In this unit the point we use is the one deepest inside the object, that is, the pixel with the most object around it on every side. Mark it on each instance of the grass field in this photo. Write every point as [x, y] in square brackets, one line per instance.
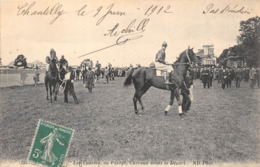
[222, 125]
[7, 80]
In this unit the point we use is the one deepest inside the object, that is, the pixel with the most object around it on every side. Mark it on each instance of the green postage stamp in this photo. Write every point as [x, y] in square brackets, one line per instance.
[50, 144]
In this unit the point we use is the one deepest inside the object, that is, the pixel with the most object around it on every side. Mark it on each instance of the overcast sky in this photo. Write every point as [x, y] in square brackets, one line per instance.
[179, 23]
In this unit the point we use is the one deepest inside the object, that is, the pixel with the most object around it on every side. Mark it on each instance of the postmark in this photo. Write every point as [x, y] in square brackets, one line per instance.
[50, 144]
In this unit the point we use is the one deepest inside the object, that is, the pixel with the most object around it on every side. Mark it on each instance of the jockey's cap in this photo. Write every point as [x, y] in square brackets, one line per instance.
[52, 50]
[164, 44]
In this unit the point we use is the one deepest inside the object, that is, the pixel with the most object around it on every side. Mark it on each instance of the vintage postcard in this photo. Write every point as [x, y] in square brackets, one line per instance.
[129, 83]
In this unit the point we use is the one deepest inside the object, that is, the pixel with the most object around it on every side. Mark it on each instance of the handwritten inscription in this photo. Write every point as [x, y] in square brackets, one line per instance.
[131, 28]
[157, 9]
[228, 9]
[133, 31]
[108, 11]
[27, 10]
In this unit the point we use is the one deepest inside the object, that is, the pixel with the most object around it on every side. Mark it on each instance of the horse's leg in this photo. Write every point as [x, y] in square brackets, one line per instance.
[143, 91]
[177, 95]
[46, 85]
[170, 104]
[50, 87]
[66, 94]
[135, 100]
[55, 91]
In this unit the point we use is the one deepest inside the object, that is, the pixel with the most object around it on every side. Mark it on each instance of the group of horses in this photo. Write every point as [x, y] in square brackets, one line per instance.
[142, 78]
[55, 82]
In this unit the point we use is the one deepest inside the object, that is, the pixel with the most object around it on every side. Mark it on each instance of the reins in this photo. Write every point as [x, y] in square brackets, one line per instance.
[188, 57]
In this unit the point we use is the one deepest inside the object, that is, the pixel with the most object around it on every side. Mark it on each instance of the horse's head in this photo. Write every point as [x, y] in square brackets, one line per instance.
[53, 68]
[192, 58]
[53, 64]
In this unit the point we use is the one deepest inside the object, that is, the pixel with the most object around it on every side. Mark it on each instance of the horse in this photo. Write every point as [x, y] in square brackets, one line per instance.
[97, 74]
[143, 78]
[52, 80]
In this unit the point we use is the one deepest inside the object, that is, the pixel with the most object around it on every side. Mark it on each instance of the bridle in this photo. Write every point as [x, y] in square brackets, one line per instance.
[188, 57]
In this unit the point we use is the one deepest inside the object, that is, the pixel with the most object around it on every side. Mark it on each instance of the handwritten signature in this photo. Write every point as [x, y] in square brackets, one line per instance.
[130, 33]
[228, 9]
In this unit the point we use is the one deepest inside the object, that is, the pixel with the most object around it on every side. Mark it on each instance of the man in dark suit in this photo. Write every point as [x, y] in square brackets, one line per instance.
[224, 78]
[186, 92]
[238, 76]
[205, 77]
[69, 86]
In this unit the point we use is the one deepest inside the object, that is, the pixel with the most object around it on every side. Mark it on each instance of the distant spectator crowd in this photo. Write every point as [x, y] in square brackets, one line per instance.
[225, 76]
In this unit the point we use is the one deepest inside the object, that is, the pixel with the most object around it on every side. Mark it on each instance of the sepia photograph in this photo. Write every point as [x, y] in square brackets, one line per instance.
[129, 83]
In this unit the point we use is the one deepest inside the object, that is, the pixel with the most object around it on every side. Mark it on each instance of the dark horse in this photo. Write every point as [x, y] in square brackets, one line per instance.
[52, 80]
[97, 74]
[143, 78]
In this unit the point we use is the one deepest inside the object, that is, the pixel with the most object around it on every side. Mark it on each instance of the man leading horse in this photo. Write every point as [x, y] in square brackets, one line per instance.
[143, 78]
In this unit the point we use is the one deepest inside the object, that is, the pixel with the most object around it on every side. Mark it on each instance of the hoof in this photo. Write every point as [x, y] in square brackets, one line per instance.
[165, 112]
[142, 108]
[136, 112]
[180, 114]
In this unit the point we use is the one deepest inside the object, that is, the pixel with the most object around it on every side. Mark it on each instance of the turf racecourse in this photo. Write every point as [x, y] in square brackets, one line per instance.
[220, 127]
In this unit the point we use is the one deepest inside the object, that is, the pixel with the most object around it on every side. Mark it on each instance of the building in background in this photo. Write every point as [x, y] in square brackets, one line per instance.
[207, 56]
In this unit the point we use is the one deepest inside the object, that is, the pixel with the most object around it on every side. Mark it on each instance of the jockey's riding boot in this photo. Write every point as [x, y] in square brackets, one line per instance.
[167, 79]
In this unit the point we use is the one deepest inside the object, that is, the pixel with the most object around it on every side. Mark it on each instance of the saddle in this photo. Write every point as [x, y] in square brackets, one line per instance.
[159, 71]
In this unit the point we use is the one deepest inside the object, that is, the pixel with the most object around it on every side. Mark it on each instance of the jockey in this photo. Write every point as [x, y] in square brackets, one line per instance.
[98, 65]
[63, 62]
[160, 63]
[52, 57]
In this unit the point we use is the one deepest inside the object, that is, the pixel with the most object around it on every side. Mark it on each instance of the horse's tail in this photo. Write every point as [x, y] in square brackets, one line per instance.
[128, 80]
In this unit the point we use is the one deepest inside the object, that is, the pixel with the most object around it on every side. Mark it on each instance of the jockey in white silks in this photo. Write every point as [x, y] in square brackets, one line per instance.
[160, 63]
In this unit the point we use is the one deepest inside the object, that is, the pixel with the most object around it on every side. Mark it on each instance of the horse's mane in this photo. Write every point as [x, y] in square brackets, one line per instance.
[179, 58]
